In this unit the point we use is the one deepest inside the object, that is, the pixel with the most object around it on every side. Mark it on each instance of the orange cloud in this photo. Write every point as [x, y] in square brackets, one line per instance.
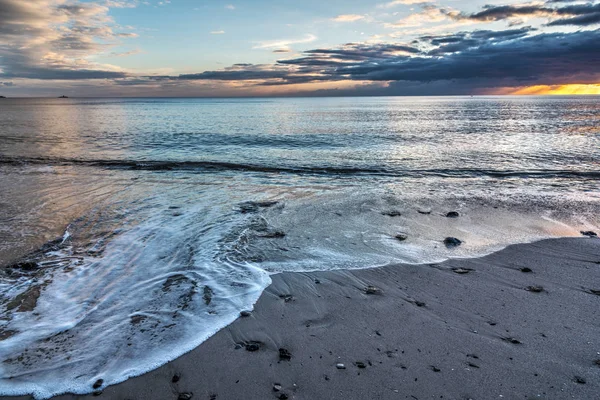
[571, 89]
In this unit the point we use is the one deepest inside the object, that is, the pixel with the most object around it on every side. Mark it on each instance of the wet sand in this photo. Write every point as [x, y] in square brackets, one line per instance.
[522, 323]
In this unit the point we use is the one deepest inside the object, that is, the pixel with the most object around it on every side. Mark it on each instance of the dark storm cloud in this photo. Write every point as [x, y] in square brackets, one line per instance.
[490, 58]
[572, 14]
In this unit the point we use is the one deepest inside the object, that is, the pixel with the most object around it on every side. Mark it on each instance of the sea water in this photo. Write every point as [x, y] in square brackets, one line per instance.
[131, 230]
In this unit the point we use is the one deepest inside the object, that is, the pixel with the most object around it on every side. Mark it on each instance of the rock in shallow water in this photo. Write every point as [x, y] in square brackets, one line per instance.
[589, 233]
[452, 242]
[401, 237]
[98, 383]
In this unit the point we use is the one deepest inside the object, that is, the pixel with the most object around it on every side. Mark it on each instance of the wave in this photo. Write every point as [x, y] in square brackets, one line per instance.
[167, 165]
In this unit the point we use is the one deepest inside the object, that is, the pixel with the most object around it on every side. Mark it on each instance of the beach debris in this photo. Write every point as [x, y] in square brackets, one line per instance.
[579, 380]
[526, 270]
[98, 384]
[245, 313]
[176, 378]
[340, 366]
[208, 295]
[452, 242]
[286, 297]
[435, 369]
[252, 346]
[284, 354]
[453, 214]
[401, 237]
[511, 340]
[360, 364]
[373, 290]
[276, 387]
[392, 213]
[535, 289]
[461, 271]
[589, 233]
[185, 396]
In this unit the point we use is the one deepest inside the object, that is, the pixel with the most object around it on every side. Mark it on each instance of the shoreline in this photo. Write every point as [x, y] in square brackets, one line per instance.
[477, 328]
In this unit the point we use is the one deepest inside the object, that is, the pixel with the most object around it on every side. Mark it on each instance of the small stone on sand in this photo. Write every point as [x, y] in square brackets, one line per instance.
[185, 396]
[284, 354]
[373, 290]
[461, 271]
[245, 313]
[252, 346]
[276, 387]
[580, 380]
[340, 366]
[286, 297]
[511, 340]
[589, 233]
[453, 214]
[534, 289]
[392, 213]
[360, 364]
[175, 378]
[526, 270]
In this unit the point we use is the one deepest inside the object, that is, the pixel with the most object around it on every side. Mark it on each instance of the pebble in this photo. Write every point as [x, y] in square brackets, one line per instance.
[185, 396]
[98, 383]
[175, 378]
[246, 313]
[589, 233]
[452, 214]
[534, 289]
[401, 237]
[452, 242]
[372, 290]
[284, 354]
[340, 366]
[276, 387]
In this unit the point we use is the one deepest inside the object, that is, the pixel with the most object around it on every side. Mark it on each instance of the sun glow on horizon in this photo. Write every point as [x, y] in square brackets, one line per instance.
[570, 89]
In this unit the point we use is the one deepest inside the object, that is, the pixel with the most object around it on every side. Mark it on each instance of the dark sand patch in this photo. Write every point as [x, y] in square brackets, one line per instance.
[461, 344]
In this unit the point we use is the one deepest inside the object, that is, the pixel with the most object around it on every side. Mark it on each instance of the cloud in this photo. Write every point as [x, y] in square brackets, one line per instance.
[395, 3]
[217, 32]
[481, 58]
[572, 14]
[348, 18]
[49, 39]
[284, 43]
[230, 7]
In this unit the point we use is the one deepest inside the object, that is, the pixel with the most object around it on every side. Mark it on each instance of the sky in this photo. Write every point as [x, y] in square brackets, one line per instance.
[206, 48]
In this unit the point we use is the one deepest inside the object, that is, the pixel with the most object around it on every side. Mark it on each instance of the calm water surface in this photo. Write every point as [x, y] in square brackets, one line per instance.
[151, 223]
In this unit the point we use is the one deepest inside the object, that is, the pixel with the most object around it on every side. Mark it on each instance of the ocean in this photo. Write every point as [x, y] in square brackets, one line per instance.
[131, 230]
